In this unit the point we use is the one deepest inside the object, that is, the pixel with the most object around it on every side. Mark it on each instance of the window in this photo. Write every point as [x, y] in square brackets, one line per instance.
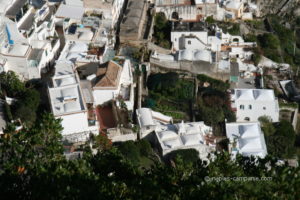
[189, 42]
[250, 107]
[242, 107]
[247, 119]
[175, 39]
[264, 108]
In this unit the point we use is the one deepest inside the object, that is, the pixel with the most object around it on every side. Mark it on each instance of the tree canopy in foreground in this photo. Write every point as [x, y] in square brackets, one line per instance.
[32, 166]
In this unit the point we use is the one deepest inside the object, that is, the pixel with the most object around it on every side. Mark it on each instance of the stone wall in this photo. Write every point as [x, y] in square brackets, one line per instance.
[279, 7]
[195, 67]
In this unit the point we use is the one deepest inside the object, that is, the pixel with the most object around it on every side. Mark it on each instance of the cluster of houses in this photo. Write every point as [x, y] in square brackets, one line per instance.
[245, 135]
[196, 10]
[72, 42]
[219, 54]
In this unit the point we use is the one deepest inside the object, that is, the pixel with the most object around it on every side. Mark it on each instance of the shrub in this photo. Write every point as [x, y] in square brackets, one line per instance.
[210, 20]
[144, 147]
[250, 38]
[162, 29]
[7, 112]
[235, 29]
[281, 143]
[269, 40]
[216, 84]
[188, 156]
[130, 151]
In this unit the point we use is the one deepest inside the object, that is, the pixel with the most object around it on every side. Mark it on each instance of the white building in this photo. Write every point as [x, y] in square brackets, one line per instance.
[113, 80]
[187, 10]
[192, 135]
[65, 13]
[246, 139]
[110, 10]
[68, 104]
[250, 104]
[189, 36]
[148, 120]
[28, 61]
[235, 8]
[77, 52]
[195, 55]
[29, 43]
[171, 137]
[195, 36]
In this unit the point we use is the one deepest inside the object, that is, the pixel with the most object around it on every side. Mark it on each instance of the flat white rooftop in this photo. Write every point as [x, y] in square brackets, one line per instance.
[98, 4]
[77, 52]
[66, 100]
[65, 96]
[68, 11]
[63, 68]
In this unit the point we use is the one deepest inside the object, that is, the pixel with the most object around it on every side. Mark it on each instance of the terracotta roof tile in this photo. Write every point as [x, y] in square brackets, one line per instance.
[108, 75]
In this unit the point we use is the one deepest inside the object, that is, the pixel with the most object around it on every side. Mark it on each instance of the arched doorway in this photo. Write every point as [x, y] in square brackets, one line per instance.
[175, 16]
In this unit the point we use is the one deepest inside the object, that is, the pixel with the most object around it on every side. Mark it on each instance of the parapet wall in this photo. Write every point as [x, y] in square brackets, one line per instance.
[195, 67]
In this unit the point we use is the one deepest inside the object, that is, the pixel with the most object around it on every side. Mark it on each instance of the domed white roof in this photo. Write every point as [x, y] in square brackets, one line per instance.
[186, 55]
[164, 135]
[203, 55]
[195, 55]
[191, 139]
[172, 143]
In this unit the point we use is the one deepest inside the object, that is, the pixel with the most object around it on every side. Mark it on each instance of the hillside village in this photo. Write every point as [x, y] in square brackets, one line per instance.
[160, 81]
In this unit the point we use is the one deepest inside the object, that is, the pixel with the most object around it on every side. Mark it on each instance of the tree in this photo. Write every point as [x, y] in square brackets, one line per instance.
[281, 142]
[211, 115]
[144, 147]
[162, 82]
[130, 151]
[10, 84]
[27, 99]
[31, 98]
[215, 106]
[188, 156]
[162, 28]
[267, 126]
[210, 20]
[25, 114]
[30, 147]
[256, 56]
[250, 38]
[269, 40]
[160, 21]
[26, 106]
[107, 175]
[235, 29]
[102, 142]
